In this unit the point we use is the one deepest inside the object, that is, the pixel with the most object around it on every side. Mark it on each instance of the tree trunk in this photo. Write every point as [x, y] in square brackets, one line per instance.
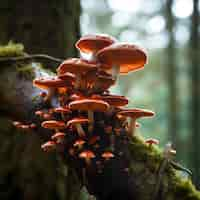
[195, 90]
[171, 75]
[49, 27]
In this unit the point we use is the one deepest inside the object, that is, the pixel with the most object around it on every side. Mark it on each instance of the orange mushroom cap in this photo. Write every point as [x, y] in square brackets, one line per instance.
[48, 146]
[77, 120]
[128, 57]
[107, 155]
[79, 142]
[62, 110]
[58, 135]
[94, 43]
[53, 124]
[87, 154]
[53, 82]
[75, 66]
[89, 104]
[136, 113]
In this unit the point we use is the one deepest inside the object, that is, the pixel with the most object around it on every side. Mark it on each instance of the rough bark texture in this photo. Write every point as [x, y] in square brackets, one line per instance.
[134, 175]
[195, 89]
[49, 27]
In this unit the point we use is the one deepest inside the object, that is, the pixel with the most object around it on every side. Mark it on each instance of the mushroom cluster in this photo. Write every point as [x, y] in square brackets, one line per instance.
[87, 120]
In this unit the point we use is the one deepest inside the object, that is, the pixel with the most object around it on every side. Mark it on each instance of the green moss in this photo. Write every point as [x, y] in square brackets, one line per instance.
[11, 49]
[146, 160]
[26, 70]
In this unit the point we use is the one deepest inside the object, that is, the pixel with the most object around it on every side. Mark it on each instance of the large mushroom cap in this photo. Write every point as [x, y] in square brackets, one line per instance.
[93, 43]
[89, 104]
[136, 113]
[128, 57]
[53, 82]
[77, 120]
[53, 124]
[75, 66]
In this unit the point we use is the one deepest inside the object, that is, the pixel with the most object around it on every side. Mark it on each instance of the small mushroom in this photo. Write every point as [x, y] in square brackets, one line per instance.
[76, 66]
[91, 106]
[107, 155]
[77, 122]
[53, 124]
[58, 137]
[134, 114]
[87, 155]
[79, 143]
[48, 146]
[49, 84]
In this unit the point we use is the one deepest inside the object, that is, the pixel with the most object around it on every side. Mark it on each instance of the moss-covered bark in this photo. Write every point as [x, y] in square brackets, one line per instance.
[30, 174]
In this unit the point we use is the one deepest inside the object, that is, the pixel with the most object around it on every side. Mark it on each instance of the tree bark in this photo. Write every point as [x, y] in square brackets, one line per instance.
[48, 27]
[195, 90]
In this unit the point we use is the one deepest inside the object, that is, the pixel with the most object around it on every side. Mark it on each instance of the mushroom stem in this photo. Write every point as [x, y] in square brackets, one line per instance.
[112, 142]
[115, 71]
[91, 120]
[78, 81]
[50, 93]
[80, 130]
[132, 127]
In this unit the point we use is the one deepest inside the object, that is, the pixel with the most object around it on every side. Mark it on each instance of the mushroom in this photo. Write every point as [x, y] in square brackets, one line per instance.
[76, 66]
[102, 83]
[63, 111]
[79, 143]
[151, 141]
[48, 146]
[53, 124]
[134, 114]
[58, 137]
[91, 106]
[122, 58]
[91, 44]
[107, 155]
[87, 155]
[77, 122]
[49, 84]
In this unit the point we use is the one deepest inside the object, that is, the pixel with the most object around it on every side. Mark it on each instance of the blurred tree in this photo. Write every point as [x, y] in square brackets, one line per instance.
[195, 89]
[49, 27]
[171, 74]
[42, 26]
